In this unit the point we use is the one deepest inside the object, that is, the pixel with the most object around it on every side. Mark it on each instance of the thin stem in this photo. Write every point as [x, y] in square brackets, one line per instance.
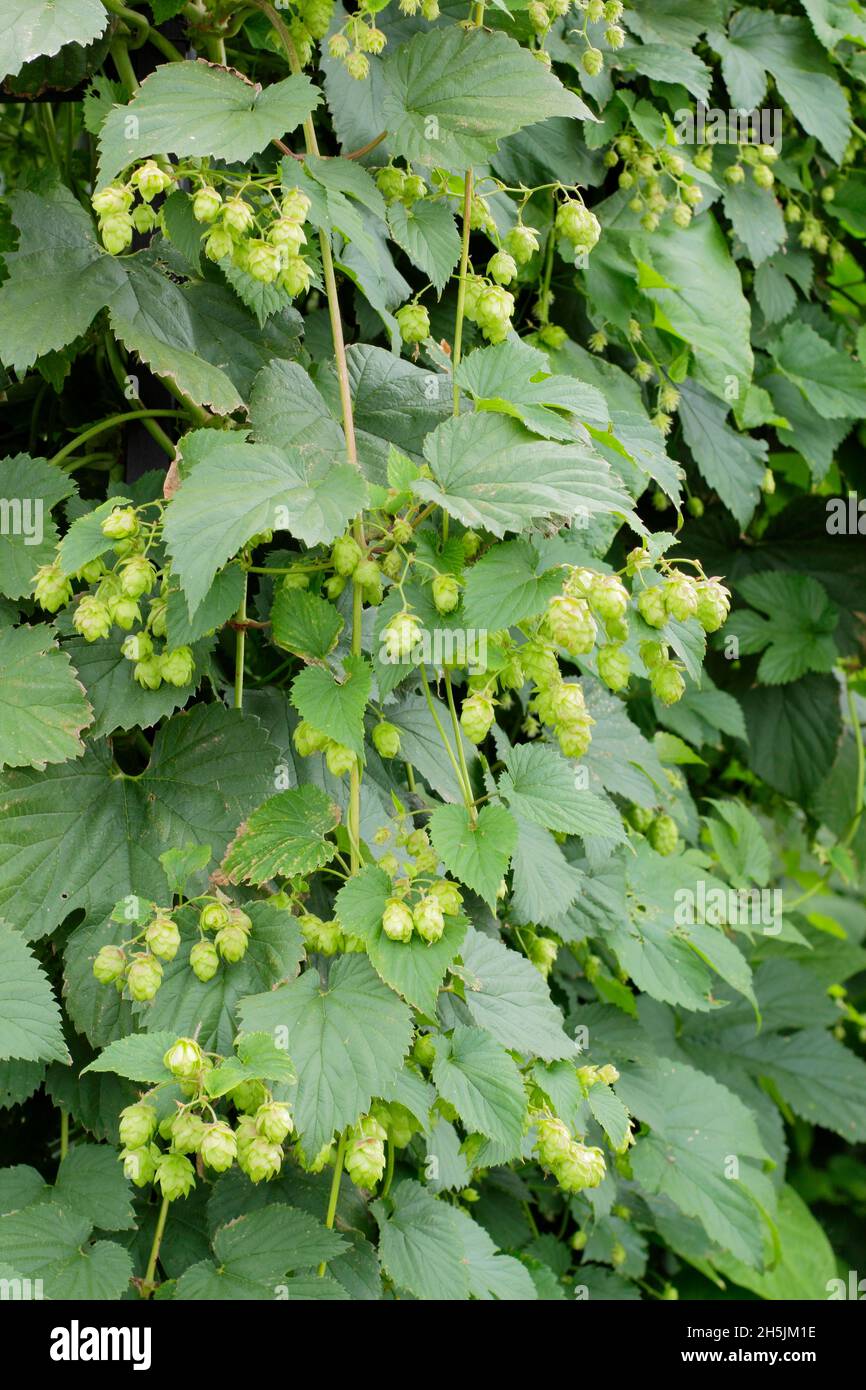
[461, 289]
[465, 781]
[389, 1170]
[121, 377]
[148, 35]
[64, 1134]
[442, 734]
[335, 1192]
[353, 825]
[861, 768]
[150, 1274]
[544, 293]
[240, 647]
[125, 70]
[108, 424]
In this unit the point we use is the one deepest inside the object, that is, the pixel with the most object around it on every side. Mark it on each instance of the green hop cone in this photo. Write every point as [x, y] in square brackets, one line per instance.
[120, 524]
[295, 205]
[386, 739]
[239, 918]
[400, 636]
[261, 1160]
[157, 618]
[137, 647]
[247, 1096]
[575, 738]
[502, 268]
[641, 817]
[237, 215]
[429, 918]
[175, 1176]
[568, 704]
[651, 606]
[263, 261]
[446, 592]
[713, 606]
[213, 916]
[117, 233]
[183, 1058]
[413, 189]
[204, 960]
[522, 243]
[614, 667]
[92, 619]
[218, 1147]
[493, 313]
[52, 590]
[139, 1164]
[543, 952]
[109, 964]
[608, 597]
[476, 717]
[365, 1152]
[580, 1168]
[162, 937]
[144, 978]
[680, 597]
[137, 1125]
[397, 921]
[553, 1140]
[570, 624]
[123, 611]
[187, 1132]
[325, 937]
[414, 323]
[295, 276]
[424, 1050]
[147, 673]
[391, 183]
[218, 244]
[539, 663]
[287, 234]
[578, 225]
[663, 835]
[366, 572]
[150, 180]
[177, 666]
[319, 1162]
[449, 896]
[399, 1122]
[345, 555]
[339, 759]
[231, 942]
[667, 683]
[308, 740]
[113, 199]
[274, 1121]
[206, 204]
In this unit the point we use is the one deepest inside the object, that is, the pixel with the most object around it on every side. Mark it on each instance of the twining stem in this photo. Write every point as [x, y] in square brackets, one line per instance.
[64, 1134]
[335, 1191]
[121, 376]
[147, 34]
[466, 783]
[464, 786]
[547, 275]
[389, 1170]
[123, 63]
[108, 424]
[240, 646]
[150, 1273]
[461, 290]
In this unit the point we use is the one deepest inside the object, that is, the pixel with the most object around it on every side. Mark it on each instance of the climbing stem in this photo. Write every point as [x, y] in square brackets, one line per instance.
[108, 424]
[389, 1170]
[467, 794]
[461, 289]
[458, 738]
[123, 379]
[335, 1191]
[240, 646]
[123, 63]
[150, 1273]
[64, 1134]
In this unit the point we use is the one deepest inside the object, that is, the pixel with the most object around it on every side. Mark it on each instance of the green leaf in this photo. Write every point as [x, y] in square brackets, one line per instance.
[258, 1059]
[739, 843]
[37, 486]
[118, 701]
[305, 624]
[47, 1242]
[513, 378]
[815, 1074]
[492, 1275]
[420, 1244]
[508, 997]
[287, 408]
[83, 835]
[695, 1126]
[540, 785]
[253, 1253]
[179, 865]
[234, 490]
[138, 1057]
[219, 604]
[797, 631]
[428, 234]
[413, 968]
[732, 463]
[43, 708]
[756, 217]
[833, 383]
[805, 1267]
[506, 587]
[611, 1114]
[544, 884]
[793, 732]
[477, 854]
[30, 1026]
[334, 707]
[451, 96]
[285, 835]
[39, 28]
[479, 1078]
[84, 540]
[199, 109]
[490, 472]
[347, 1041]
[668, 64]
[90, 1183]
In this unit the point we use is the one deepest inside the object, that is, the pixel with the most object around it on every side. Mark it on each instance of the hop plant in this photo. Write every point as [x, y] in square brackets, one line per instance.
[52, 589]
[175, 1176]
[386, 739]
[163, 937]
[325, 937]
[397, 921]
[521, 242]
[365, 1152]
[137, 1125]
[184, 1058]
[429, 918]
[446, 592]
[204, 960]
[663, 835]
[144, 978]
[219, 1146]
[109, 964]
[476, 717]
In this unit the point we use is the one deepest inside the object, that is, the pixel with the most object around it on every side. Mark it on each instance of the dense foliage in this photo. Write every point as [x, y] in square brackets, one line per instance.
[432, 573]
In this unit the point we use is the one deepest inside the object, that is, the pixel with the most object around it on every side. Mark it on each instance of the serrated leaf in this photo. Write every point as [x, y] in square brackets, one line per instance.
[428, 234]
[476, 1075]
[335, 707]
[609, 1111]
[90, 1183]
[47, 1242]
[137, 1057]
[203, 110]
[734, 464]
[258, 1058]
[475, 853]
[419, 1244]
[544, 884]
[414, 968]
[514, 378]
[285, 835]
[84, 540]
[831, 381]
[508, 585]
[39, 28]
[451, 96]
[491, 472]
[347, 1041]
[219, 605]
[305, 624]
[797, 631]
[117, 699]
[43, 708]
[233, 490]
[508, 997]
[36, 486]
[540, 785]
[30, 1026]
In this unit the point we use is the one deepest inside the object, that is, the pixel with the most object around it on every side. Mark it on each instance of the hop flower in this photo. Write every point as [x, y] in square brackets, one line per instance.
[117, 232]
[581, 1167]
[177, 666]
[413, 189]
[641, 818]
[570, 624]
[400, 636]
[476, 717]
[592, 61]
[357, 65]
[139, 1164]
[667, 683]
[522, 243]
[735, 173]
[339, 759]
[247, 1096]
[614, 667]
[120, 524]
[552, 336]
[274, 1121]
[539, 16]
[397, 921]
[115, 198]
[386, 739]
[206, 204]
[714, 604]
[137, 647]
[543, 952]
[365, 1152]
[52, 590]
[288, 234]
[493, 313]
[150, 180]
[231, 942]
[148, 673]
[553, 1140]
[144, 978]
[345, 555]
[260, 1159]
[137, 1125]
[187, 1132]
[237, 215]
[204, 960]
[308, 740]
[175, 1176]
[163, 937]
[183, 1058]
[609, 597]
[614, 35]
[263, 261]
[446, 592]
[325, 937]
[109, 964]
[763, 176]
[651, 606]
[218, 244]
[424, 1050]
[663, 835]
[429, 918]
[575, 738]
[448, 895]
[218, 1146]
[414, 323]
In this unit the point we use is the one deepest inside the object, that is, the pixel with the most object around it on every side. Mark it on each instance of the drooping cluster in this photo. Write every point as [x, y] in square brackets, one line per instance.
[136, 966]
[575, 1166]
[118, 219]
[657, 179]
[264, 240]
